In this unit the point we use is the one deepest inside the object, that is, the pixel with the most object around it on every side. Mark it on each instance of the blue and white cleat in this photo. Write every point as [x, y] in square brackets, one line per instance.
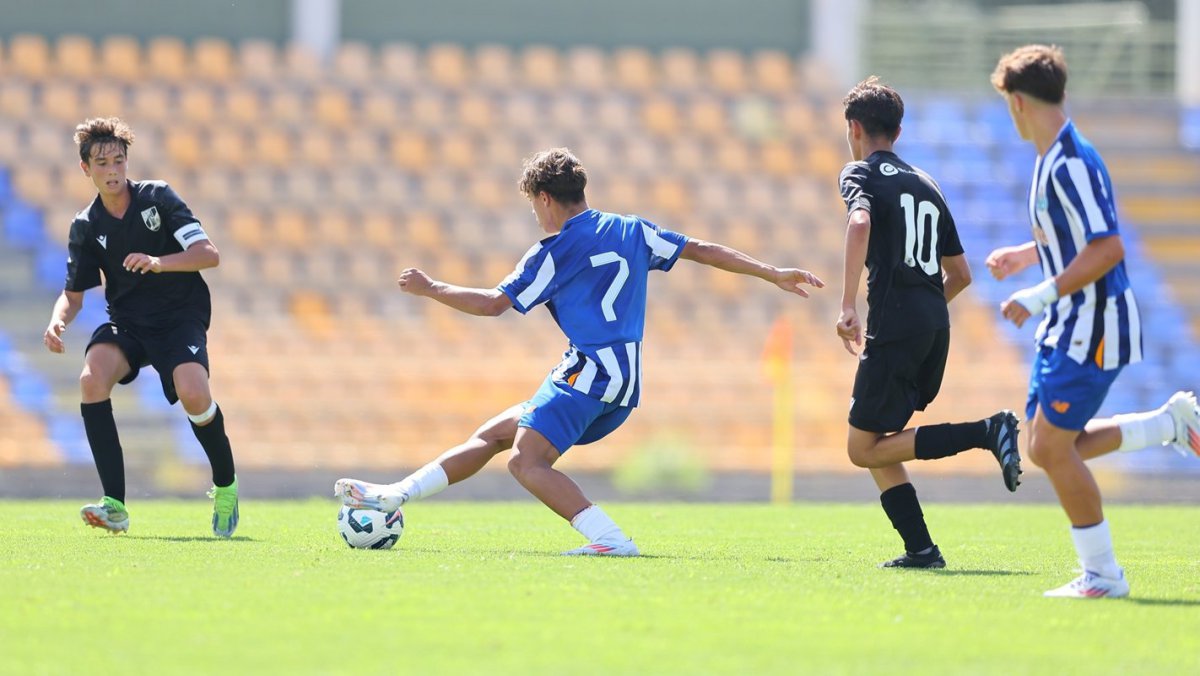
[1185, 414]
[614, 548]
[1092, 586]
[364, 495]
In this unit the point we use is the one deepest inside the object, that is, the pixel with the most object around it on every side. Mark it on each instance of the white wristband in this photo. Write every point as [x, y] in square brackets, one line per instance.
[1036, 298]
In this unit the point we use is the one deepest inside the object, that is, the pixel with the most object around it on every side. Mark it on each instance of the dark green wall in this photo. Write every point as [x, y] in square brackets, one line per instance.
[232, 19]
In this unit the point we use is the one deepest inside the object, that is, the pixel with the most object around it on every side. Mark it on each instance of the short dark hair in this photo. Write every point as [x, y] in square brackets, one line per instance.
[876, 106]
[101, 132]
[1037, 70]
[556, 172]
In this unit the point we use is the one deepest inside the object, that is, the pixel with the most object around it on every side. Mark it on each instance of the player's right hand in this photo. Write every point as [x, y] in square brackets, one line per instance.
[849, 329]
[52, 339]
[415, 282]
[1004, 261]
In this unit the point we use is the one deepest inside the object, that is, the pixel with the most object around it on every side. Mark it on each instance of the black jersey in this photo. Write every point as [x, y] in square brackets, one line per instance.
[911, 230]
[156, 223]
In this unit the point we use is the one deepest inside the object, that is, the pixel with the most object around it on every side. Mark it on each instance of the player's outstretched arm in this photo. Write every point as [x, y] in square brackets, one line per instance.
[731, 260]
[199, 256]
[1009, 260]
[65, 309]
[481, 302]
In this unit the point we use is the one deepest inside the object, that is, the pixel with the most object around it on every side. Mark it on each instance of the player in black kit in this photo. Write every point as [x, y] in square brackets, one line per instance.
[900, 228]
[150, 249]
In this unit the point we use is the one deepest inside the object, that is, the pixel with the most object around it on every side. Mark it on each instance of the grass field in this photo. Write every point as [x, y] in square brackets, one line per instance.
[479, 588]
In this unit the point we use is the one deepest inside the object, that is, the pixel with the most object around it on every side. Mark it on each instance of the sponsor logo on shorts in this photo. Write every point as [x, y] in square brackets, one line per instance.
[1060, 406]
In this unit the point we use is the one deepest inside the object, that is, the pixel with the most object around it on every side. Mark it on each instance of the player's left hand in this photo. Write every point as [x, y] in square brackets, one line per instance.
[414, 281]
[142, 263]
[849, 329]
[1014, 312]
[790, 279]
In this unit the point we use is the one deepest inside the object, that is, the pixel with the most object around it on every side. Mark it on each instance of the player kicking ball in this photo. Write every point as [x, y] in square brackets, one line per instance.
[1091, 328]
[901, 230]
[150, 249]
[591, 273]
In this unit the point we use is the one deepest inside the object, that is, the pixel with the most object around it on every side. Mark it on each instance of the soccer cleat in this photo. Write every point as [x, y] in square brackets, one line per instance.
[1002, 442]
[1092, 586]
[614, 548]
[932, 559]
[1185, 414]
[109, 514]
[225, 509]
[364, 495]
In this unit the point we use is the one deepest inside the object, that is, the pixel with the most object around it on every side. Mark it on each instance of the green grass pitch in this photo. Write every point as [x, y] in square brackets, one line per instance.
[479, 588]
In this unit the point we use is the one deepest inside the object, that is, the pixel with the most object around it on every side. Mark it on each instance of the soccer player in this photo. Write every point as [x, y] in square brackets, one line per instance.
[901, 230]
[591, 273]
[1090, 329]
[150, 249]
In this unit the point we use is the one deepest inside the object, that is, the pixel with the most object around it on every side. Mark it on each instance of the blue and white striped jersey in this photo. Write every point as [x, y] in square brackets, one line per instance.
[592, 278]
[1070, 204]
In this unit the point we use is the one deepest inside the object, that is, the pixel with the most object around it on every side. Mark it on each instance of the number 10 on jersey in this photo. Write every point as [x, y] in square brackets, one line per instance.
[920, 234]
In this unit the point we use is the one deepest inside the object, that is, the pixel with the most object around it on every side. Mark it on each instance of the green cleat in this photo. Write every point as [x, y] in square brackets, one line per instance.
[109, 514]
[225, 509]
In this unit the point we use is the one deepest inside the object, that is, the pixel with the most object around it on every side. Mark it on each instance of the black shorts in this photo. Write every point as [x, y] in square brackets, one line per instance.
[164, 349]
[896, 378]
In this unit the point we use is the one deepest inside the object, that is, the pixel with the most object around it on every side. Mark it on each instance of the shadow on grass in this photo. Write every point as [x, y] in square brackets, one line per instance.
[980, 573]
[664, 557]
[1163, 602]
[193, 538]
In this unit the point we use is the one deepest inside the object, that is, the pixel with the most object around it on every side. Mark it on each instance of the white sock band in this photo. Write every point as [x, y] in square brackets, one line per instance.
[1145, 430]
[202, 418]
[595, 525]
[429, 480]
[1095, 549]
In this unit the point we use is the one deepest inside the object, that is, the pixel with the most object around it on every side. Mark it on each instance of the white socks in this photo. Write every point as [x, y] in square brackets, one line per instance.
[1144, 430]
[429, 480]
[595, 525]
[1095, 549]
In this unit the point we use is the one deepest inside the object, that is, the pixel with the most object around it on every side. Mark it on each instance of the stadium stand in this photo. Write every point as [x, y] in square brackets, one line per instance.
[319, 184]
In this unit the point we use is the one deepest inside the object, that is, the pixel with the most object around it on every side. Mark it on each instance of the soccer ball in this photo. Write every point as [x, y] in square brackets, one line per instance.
[370, 529]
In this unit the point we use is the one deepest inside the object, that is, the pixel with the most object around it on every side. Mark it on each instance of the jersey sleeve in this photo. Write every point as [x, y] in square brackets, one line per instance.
[179, 219]
[853, 184]
[540, 273]
[665, 245]
[1084, 189]
[83, 268]
[951, 244]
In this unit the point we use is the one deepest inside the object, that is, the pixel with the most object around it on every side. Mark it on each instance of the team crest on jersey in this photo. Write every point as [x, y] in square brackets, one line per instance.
[888, 169]
[1042, 203]
[151, 218]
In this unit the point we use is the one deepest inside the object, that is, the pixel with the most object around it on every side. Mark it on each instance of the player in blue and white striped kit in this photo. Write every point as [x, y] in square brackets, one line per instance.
[1091, 327]
[591, 273]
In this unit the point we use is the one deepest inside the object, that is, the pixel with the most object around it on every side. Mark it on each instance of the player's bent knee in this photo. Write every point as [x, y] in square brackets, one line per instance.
[195, 398]
[861, 457]
[94, 386]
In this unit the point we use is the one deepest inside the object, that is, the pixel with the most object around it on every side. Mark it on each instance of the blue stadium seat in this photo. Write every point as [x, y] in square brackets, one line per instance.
[6, 192]
[67, 433]
[1189, 128]
[22, 224]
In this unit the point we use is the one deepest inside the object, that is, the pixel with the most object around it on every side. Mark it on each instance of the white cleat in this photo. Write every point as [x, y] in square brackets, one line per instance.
[1186, 416]
[363, 495]
[614, 548]
[1092, 586]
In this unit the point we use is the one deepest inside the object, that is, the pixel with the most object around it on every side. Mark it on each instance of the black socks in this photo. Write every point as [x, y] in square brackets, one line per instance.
[102, 436]
[902, 508]
[216, 447]
[940, 441]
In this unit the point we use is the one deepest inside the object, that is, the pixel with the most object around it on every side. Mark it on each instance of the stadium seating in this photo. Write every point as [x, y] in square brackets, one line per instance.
[321, 182]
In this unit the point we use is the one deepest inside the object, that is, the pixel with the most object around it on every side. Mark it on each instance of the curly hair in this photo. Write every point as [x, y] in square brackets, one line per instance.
[876, 106]
[556, 172]
[1037, 70]
[101, 132]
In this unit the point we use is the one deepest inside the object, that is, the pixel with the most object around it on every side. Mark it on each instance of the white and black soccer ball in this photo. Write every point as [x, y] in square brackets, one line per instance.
[370, 529]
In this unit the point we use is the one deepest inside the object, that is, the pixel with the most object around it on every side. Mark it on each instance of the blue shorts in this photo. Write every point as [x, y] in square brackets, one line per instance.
[566, 416]
[1069, 393]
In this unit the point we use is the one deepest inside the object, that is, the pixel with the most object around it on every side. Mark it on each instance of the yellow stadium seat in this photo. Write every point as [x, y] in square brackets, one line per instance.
[778, 159]
[688, 155]
[290, 229]
[732, 155]
[681, 69]
[311, 311]
[35, 184]
[197, 103]
[380, 109]
[670, 197]
[428, 109]
[540, 67]
[410, 150]
[494, 68]
[333, 228]
[490, 192]
[476, 111]
[16, 100]
[184, 146]
[635, 69]
[332, 108]
[424, 230]
[301, 63]
[379, 230]
[213, 59]
[457, 151]
[399, 63]
[587, 69]
[447, 65]
[241, 105]
[273, 146]
[247, 229]
[287, 106]
[167, 59]
[121, 58]
[354, 63]
[152, 103]
[773, 72]
[104, 99]
[366, 146]
[278, 268]
[661, 116]
[29, 56]
[726, 71]
[75, 57]
[258, 60]
[60, 101]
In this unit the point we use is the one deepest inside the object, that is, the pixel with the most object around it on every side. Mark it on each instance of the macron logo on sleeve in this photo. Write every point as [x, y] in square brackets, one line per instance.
[103, 239]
